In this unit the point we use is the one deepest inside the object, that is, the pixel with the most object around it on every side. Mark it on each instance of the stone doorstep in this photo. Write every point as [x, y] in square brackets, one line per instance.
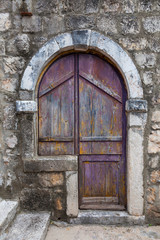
[28, 226]
[107, 218]
[8, 210]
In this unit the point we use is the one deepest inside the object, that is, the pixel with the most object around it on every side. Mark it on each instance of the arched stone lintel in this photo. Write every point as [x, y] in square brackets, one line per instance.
[83, 40]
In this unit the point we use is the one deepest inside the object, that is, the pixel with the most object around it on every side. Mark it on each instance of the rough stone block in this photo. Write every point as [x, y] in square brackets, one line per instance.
[36, 199]
[156, 125]
[17, 21]
[153, 214]
[2, 47]
[145, 60]
[154, 44]
[2, 73]
[27, 135]
[151, 195]
[51, 179]
[136, 105]
[31, 24]
[130, 24]
[10, 84]
[110, 6]
[153, 143]
[155, 176]
[145, 6]
[10, 121]
[47, 6]
[74, 6]
[58, 203]
[19, 6]
[26, 106]
[154, 162]
[91, 6]
[148, 78]
[13, 65]
[11, 48]
[79, 21]
[53, 25]
[53, 164]
[152, 24]
[81, 38]
[134, 44]
[12, 141]
[107, 24]
[5, 22]
[1, 180]
[129, 6]
[22, 43]
[72, 193]
[6, 5]
[156, 116]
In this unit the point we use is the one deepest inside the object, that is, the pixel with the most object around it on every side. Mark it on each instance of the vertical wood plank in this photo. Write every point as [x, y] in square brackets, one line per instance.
[98, 179]
[87, 179]
[76, 103]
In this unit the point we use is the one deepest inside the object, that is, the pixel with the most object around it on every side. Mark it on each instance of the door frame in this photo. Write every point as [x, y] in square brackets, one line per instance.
[136, 109]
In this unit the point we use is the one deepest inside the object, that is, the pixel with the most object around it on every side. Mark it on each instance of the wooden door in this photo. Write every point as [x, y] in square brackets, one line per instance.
[56, 109]
[81, 111]
[101, 135]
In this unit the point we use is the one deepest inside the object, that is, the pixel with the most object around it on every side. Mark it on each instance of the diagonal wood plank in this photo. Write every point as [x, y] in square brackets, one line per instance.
[101, 86]
[56, 84]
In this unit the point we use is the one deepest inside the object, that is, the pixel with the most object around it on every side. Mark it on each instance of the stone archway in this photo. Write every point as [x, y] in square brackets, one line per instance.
[136, 109]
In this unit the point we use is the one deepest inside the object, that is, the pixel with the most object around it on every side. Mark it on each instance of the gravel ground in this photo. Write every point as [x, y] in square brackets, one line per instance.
[62, 231]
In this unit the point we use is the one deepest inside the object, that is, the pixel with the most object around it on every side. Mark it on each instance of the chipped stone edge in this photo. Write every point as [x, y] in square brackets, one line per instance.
[43, 237]
[26, 106]
[11, 215]
[82, 40]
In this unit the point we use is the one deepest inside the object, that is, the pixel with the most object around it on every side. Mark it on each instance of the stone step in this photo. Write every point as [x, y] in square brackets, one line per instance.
[107, 218]
[29, 226]
[8, 210]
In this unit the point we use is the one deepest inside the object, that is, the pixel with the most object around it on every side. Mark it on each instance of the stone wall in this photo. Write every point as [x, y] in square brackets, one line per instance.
[134, 25]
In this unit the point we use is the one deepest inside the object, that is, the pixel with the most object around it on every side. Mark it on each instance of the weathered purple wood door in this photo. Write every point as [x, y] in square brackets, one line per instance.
[81, 111]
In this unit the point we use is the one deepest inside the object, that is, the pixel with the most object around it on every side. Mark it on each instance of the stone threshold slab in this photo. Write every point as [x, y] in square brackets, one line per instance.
[107, 218]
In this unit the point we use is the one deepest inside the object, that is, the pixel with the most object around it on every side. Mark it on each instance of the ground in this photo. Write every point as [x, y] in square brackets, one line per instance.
[99, 232]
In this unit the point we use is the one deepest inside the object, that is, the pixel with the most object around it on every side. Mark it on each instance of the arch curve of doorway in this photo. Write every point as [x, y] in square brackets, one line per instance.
[83, 40]
[136, 107]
